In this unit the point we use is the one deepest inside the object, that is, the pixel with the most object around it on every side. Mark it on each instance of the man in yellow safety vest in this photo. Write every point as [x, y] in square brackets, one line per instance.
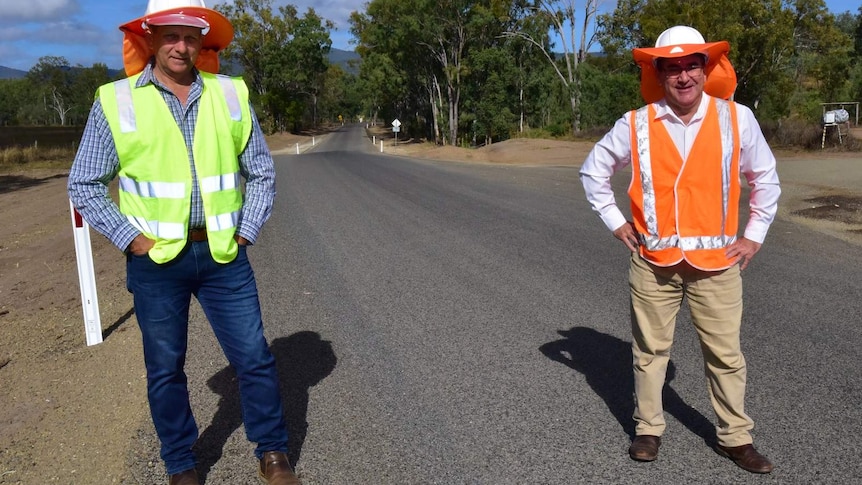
[180, 138]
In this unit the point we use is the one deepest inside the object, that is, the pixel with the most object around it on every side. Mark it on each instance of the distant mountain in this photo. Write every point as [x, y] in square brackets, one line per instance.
[348, 60]
[9, 73]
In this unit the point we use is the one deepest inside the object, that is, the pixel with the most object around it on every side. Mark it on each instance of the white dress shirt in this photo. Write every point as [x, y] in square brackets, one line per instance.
[756, 163]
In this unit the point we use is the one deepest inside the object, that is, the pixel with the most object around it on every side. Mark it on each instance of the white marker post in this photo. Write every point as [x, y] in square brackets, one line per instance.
[86, 278]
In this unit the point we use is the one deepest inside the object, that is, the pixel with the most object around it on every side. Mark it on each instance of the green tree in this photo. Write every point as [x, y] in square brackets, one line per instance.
[15, 96]
[52, 75]
[489, 99]
[85, 82]
[340, 96]
[561, 17]
[282, 56]
[607, 95]
[429, 43]
[396, 75]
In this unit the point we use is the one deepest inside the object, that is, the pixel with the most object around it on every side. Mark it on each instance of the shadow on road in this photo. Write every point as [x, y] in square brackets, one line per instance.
[606, 363]
[303, 360]
[11, 183]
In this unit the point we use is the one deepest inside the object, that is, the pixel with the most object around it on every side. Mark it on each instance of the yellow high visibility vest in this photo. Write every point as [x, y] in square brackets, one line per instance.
[155, 175]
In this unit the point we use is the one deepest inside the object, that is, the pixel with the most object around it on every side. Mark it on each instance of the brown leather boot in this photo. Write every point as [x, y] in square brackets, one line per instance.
[746, 457]
[188, 477]
[644, 448]
[275, 469]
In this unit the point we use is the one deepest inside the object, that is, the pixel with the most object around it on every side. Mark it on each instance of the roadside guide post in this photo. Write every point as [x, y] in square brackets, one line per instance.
[396, 127]
[86, 278]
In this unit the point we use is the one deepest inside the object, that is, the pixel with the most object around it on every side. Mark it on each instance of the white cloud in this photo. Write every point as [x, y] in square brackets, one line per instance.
[10, 34]
[72, 33]
[36, 10]
[337, 11]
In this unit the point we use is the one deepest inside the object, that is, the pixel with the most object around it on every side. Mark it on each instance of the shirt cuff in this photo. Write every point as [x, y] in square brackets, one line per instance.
[614, 219]
[756, 232]
[123, 236]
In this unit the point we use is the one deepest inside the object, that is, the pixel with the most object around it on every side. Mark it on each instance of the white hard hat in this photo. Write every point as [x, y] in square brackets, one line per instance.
[165, 12]
[680, 41]
[679, 34]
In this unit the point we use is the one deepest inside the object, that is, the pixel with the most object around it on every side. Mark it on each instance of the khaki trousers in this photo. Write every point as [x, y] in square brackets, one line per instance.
[715, 300]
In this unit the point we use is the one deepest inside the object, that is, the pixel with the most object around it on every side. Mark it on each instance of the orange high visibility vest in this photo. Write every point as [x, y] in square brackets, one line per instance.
[686, 209]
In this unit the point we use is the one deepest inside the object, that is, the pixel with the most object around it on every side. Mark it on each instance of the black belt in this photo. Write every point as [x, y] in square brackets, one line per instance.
[197, 235]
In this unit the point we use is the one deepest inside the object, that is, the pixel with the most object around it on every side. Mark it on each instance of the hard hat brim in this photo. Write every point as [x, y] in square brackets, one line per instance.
[176, 19]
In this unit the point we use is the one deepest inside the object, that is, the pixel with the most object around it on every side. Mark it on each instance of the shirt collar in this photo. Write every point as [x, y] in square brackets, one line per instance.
[663, 111]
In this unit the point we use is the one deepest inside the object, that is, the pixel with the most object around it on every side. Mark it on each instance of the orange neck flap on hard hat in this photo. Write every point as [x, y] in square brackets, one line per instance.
[720, 80]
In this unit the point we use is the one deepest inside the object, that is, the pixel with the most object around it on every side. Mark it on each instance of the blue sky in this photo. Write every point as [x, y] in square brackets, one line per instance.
[86, 31]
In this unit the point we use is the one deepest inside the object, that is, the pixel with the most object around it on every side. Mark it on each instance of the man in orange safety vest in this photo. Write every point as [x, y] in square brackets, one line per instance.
[687, 148]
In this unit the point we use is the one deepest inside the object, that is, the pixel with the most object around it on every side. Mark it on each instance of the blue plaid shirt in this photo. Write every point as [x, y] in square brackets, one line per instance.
[96, 165]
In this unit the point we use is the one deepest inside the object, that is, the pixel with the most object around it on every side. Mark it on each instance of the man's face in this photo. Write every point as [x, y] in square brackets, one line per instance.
[176, 48]
[682, 79]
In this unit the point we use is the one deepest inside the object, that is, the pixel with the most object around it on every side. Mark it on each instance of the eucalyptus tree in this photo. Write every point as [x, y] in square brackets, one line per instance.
[561, 18]
[392, 75]
[52, 76]
[428, 41]
[85, 82]
[445, 24]
[490, 99]
[538, 86]
[490, 104]
[17, 96]
[855, 32]
[340, 96]
[282, 56]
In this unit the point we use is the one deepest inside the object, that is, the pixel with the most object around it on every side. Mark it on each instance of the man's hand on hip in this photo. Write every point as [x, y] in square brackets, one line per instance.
[626, 233]
[741, 251]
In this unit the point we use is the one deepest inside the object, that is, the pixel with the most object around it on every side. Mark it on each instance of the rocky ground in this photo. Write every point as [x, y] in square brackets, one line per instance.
[68, 412]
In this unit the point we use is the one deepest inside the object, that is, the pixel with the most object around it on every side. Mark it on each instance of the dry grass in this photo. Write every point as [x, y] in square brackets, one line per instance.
[798, 134]
[16, 158]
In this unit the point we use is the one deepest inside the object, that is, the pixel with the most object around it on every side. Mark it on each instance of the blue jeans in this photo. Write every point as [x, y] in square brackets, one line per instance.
[228, 295]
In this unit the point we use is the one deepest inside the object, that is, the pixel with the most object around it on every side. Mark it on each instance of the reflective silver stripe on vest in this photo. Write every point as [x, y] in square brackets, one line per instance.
[217, 183]
[231, 96]
[159, 190]
[223, 221]
[123, 93]
[162, 230]
[725, 124]
[652, 241]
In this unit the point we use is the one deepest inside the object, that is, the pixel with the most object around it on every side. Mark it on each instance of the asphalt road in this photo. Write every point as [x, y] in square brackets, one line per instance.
[450, 323]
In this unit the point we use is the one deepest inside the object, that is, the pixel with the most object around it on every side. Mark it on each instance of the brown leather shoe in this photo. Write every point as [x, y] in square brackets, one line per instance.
[644, 447]
[188, 477]
[746, 457]
[275, 469]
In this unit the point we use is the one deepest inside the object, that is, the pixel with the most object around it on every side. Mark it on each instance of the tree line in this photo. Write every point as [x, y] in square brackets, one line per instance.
[477, 71]
[472, 72]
